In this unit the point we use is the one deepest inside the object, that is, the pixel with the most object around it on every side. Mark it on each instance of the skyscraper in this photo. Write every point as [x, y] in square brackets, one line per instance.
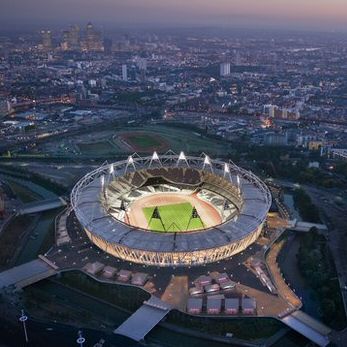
[224, 69]
[46, 39]
[93, 42]
[71, 39]
[124, 72]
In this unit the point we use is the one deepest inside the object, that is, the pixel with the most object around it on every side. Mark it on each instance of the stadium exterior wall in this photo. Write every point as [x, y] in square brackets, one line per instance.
[203, 256]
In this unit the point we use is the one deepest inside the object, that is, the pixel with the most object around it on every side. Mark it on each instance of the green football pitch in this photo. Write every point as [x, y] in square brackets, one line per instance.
[174, 218]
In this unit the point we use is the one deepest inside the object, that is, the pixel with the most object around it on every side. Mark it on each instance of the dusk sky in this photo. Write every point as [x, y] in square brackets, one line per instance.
[325, 15]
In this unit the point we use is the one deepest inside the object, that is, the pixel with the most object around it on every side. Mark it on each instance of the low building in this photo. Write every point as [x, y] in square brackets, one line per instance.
[139, 278]
[210, 288]
[214, 305]
[109, 271]
[232, 306]
[249, 306]
[194, 305]
[220, 277]
[124, 275]
[94, 268]
[203, 281]
[196, 290]
[227, 285]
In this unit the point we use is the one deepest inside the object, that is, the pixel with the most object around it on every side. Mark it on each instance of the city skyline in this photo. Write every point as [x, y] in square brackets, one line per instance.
[295, 15]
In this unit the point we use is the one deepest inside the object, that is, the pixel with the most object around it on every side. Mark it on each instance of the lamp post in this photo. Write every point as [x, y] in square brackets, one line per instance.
[23, 318]
[80, 340]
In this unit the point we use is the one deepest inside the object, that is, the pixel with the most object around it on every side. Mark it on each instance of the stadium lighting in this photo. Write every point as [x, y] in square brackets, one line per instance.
[111, 169]
[155, 157]
[238, 183]
[227, 171]
[207, 161]
[130, 161]
[181, 157]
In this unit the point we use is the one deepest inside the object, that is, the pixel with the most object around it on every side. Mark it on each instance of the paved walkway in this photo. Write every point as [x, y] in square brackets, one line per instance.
[140, 323]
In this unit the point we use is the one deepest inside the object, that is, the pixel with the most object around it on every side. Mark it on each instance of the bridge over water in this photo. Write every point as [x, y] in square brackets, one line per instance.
[309, 327]
[41, 206]
[26, 274]
[141, 322]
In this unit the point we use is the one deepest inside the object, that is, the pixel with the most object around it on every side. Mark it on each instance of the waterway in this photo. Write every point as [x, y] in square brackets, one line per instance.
[289, 202]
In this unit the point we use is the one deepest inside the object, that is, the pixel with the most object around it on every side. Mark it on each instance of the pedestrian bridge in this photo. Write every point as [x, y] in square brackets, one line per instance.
[41, 206]
[27, 274]
[141, 322]
[306, 227]
[307, 326]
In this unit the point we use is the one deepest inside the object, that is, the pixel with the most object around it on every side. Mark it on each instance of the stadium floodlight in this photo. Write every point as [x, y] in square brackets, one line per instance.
[182, 157]
[102, 181]
[238, 183]
[155, 157]
[207, 161]
[131, 162]
[111, 169]
[227, 171]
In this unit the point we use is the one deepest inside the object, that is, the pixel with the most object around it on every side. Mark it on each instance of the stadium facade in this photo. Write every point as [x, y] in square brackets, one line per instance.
[102, 199]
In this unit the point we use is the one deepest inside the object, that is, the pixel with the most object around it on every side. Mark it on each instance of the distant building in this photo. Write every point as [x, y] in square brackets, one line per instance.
[93, 41]
[46, 40]
[224, 69]
[284, 113]
[71, 39]
[274, 139]
[315, 145]
[124, 72]
[5, 107]
[142, 64]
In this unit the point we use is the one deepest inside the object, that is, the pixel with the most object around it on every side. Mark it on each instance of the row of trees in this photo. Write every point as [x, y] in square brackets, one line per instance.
[316, 266]
[308, 211]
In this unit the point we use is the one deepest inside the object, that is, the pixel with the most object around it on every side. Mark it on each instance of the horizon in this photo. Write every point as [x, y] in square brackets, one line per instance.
[288, 15]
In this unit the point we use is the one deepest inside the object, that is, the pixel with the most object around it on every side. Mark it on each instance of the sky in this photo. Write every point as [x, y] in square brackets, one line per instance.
[320, 15]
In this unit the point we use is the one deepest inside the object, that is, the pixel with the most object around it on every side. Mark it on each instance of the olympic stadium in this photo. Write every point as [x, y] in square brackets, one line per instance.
[171, 209]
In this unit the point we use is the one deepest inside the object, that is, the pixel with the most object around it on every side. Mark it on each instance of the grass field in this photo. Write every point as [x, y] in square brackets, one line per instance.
[96, 148]
[144, 140]
[175, 218]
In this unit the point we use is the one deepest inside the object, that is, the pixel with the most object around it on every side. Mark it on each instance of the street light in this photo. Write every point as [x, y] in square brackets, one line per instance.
[80, 340]
[23, 318]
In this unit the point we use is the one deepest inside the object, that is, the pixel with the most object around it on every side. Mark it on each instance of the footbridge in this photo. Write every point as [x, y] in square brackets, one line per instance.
[309, 327]
[41, 206]
[306, 227]
[141, 322]
[27, 274]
